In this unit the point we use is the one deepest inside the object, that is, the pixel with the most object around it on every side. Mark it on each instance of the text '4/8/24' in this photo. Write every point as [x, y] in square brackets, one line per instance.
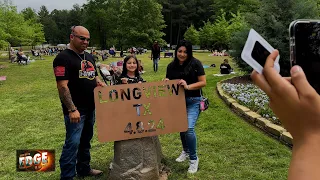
[140, 128]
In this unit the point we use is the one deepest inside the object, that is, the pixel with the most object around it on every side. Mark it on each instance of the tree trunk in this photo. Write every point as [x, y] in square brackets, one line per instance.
[103, 41]
[137, 159]
[9, 48]
[178, 37]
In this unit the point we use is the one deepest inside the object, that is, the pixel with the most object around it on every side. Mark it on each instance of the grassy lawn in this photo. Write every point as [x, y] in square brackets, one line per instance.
[228, 147]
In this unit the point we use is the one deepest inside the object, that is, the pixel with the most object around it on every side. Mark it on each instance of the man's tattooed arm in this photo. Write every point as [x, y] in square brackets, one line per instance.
[65, 96]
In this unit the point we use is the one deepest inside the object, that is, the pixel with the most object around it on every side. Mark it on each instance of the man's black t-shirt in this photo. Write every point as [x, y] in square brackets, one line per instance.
[81, 73]
[177, 72]
[155, 50]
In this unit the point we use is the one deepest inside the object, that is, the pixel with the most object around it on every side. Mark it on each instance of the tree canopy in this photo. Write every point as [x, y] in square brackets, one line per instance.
[19, 28]
[272, 22]
[212, 24]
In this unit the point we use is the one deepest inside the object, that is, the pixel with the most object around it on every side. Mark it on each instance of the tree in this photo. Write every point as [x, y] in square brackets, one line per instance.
[192, 35]
[76, 15]
[232, 7]
[102, 20]
[272, 21]
[49, 25]
[30, 14]
[62, 21]
[32, 19]
[124, 23]
[43, 13]
[221, 33]
[180, 14]
[218, 35]
[206, 35]
[143, 22]
[15, 30]
[57, 23]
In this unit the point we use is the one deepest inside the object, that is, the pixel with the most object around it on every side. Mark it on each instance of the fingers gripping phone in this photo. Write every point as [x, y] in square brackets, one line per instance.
[305, 49]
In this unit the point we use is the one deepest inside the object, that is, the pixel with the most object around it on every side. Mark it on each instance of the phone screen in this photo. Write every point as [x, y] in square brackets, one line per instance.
[307, 45]
[259, 53]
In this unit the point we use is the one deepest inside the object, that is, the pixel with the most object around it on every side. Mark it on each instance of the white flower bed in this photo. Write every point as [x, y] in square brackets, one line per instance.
[252, 97]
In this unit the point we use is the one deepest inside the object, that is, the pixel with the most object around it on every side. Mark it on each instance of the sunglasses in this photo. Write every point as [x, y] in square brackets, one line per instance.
[81, 37]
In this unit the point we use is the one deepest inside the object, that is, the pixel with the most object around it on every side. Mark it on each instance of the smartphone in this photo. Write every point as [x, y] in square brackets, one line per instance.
[305, 49]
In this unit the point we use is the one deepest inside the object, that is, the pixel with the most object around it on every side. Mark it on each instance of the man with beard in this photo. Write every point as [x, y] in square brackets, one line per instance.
[76, 78]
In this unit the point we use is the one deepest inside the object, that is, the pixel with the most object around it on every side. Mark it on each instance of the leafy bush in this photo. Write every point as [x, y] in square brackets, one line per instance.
[217, 35]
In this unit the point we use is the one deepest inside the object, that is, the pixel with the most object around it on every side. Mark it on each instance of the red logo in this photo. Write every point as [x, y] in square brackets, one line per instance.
[87, 66]
[87, 70]
[59, 71]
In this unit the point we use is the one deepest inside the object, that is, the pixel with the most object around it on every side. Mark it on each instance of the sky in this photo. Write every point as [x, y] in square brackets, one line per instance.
[50, 4]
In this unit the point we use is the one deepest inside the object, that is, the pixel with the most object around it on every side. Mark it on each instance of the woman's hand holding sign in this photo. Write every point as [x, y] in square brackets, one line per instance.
[124, 80]
[183, 83]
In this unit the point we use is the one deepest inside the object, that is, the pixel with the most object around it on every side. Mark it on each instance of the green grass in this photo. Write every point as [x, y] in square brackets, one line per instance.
[228, 147]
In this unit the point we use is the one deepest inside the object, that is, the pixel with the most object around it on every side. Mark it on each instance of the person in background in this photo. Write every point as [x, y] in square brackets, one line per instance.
[297, 104]
[155, 55]
[140, 68]
[225, 67]
[191, 75]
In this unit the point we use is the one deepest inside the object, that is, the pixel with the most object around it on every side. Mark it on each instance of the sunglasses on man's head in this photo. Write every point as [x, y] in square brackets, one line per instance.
[81, 37]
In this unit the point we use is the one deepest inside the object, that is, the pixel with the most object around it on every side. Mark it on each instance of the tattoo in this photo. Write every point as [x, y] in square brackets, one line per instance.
[65, 97]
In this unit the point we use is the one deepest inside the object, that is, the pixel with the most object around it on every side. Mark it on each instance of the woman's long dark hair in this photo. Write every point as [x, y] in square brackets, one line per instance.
[124, 68]
[188, 63]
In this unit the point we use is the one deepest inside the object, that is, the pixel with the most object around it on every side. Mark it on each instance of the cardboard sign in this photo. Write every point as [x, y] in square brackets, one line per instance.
[139, 110]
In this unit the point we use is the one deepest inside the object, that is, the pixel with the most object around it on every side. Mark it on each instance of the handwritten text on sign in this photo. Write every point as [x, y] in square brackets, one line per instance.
[139, 110]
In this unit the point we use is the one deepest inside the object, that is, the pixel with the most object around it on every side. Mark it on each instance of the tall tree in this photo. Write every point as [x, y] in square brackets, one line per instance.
[124, 23]
[15, 30]
[32, 19]
[76, 15]
[62, 20]
[180, 14]
[43, 13]
[192, 35]
[101, 18]
[30, 14]
[49, 25]
[143, 22]
[272, 21]
[217, 35]
[232, 7]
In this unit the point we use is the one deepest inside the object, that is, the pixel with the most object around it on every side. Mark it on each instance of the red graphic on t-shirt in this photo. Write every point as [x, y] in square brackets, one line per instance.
[87, 70]
[87, 66]
[59, 71]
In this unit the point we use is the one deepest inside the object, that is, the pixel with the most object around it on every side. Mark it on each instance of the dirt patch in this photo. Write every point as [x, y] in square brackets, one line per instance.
[246, 79]
[164, 172]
